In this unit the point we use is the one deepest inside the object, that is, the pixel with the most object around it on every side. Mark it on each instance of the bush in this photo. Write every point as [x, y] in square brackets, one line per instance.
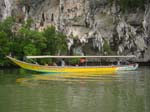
[74, 61]
[56, 41]
[107, 48]
[127, 5]
[30, 42]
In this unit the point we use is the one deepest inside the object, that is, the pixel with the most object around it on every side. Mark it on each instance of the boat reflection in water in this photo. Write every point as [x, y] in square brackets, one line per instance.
[76, 77]
[66, 77]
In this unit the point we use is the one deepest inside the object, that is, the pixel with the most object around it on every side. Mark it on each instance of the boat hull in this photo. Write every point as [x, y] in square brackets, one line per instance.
[69, 69]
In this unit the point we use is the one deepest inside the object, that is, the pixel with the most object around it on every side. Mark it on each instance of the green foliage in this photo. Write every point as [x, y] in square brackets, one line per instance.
[28, 23]
[29, 42]
[74, 61]
[4, 47]
[5, 37]
[4, 44]
[124, 5]
[6, 25]
[29, 49]
[22, 2]
[47, 61]
[50, 34]
[107, 48]
[61, 42]
[56, 41]
[110, 1]
[33, 38]
[127, 5]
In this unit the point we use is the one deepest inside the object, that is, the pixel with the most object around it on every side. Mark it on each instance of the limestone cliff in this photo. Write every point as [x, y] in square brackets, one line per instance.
[93, 27]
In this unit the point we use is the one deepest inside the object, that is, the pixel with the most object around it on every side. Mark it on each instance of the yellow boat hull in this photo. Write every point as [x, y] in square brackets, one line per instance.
[65, 69]
[73, 69]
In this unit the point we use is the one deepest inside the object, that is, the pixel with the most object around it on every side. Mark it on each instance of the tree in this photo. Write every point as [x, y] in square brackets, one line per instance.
[4, 47]
[106, 47]
[50, 34]
[61, 42]
[30, 49]
[32, 37]
[56, 41]
[29, 42]
[4, 43]
[6, 26]
[5, 37]
[27, 24]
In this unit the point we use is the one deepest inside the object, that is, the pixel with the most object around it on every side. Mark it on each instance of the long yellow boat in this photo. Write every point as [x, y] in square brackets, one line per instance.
[71, 69]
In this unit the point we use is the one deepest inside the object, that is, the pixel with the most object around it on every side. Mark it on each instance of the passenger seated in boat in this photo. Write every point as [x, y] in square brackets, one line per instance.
[54, 64]
[46, 64]
[125, 63]
[62, 62]
[36, 63]
[82, 61]
[76, 65]
[118, 63]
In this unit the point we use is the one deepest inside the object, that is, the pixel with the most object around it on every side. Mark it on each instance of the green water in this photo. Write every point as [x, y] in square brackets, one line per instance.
[121, 92]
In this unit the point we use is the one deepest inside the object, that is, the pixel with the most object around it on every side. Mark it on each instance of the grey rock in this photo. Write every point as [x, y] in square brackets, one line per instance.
[92, 22]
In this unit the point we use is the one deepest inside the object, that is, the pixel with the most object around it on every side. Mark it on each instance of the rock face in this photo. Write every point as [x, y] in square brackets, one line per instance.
[93, 27]
[5, 8]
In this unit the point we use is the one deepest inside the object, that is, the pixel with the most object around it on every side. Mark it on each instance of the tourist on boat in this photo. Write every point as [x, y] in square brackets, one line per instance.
[46, 64]
[54, 64]
[62, 62]
[118, 62]
[82, 61]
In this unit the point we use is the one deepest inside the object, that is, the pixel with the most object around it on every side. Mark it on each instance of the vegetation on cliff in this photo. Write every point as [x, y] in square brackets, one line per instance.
[127, 5]
[26, 41]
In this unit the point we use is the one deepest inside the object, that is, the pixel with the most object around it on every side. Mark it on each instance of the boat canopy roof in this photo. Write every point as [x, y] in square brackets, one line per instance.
[50, 56]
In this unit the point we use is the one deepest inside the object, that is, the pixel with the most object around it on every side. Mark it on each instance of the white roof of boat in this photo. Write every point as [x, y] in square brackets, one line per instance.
[50, 56]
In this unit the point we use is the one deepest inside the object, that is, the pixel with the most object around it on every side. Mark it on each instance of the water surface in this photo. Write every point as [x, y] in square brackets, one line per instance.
[119, 92]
